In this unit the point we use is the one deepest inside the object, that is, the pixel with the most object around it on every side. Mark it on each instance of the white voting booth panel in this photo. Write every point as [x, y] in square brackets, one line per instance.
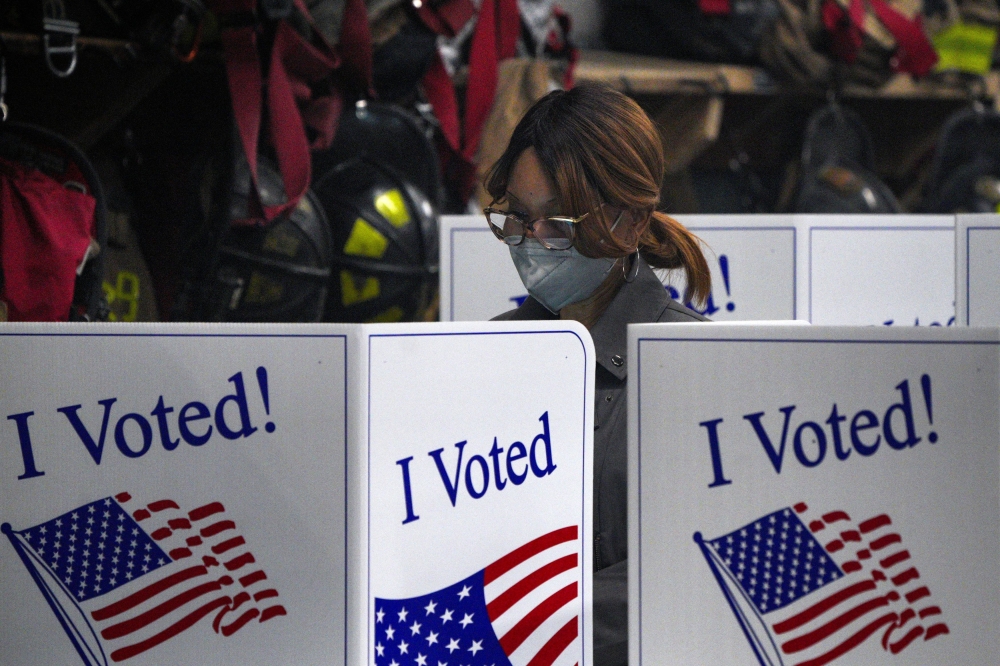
[977, 270]
[752, 260]
[753, 264]
[813, 495]
[477, 280]
[893, 270]
[153, 476]
[827, 269]
[479, 472]
[314, 494]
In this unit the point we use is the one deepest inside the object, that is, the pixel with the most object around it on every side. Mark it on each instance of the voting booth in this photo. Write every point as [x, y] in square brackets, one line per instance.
[977, 270]
[894, 270]
[751, 258]
[828, 269]
[321, 494]
[813, 495]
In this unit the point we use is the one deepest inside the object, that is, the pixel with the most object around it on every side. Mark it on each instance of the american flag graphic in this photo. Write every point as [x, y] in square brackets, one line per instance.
[519, 610]
[122, 577]
[807, 589]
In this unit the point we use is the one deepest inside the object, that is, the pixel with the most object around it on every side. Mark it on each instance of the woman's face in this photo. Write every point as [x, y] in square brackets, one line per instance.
[529, 190]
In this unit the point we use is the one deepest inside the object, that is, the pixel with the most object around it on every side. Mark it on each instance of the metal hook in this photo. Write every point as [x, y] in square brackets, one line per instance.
[57, 27]
[3, 80]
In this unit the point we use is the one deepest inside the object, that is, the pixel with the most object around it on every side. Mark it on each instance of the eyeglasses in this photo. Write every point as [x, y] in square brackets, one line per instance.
[554, 233]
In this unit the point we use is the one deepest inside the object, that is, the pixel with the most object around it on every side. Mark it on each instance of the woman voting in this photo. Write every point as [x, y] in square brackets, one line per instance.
[574, 198]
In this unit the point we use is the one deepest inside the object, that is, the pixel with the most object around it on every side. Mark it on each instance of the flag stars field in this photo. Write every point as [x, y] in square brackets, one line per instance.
[444, 635]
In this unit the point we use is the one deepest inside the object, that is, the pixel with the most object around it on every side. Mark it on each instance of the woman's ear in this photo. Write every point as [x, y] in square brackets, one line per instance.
[629, 224]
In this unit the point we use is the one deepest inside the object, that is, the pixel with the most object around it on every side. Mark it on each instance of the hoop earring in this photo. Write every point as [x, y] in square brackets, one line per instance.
[632, 273]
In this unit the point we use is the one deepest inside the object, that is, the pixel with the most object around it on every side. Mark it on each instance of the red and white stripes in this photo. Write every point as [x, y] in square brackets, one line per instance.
[529, 599]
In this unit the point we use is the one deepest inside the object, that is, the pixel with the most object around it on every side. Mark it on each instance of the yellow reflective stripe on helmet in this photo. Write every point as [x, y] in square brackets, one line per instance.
[263, 289]
[966, 47]
[392, 206]
[349, 292]
[365, 241]
[388, 316]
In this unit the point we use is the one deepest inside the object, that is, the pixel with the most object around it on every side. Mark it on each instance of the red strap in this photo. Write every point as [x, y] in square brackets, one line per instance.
[447, 18]
[510, 28]
[914, 52]
[355, 45]
[295, 64]
[482, 83]
[494, 39]
[440, 93]
[245, 83]
[845, 28]
[286, 82]
[714, 7]
[560, 43]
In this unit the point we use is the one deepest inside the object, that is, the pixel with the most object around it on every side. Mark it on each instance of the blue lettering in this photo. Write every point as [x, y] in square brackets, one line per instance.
[160, 412]
[122, 442]
[477, 467]
[200, 412]
[96, 449]
[451, 486]
[820, 438]
[864, 420]
[27, 454]
[906, 408]
[240, 398]
[408, 495]
[713, 445]
[495, 454]
[838, 446]
[550, 466]
[776, 456]
[484, 471]
[516, 451]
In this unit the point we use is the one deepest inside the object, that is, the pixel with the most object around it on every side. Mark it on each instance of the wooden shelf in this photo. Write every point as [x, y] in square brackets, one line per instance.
[30, 44]
[643, 75]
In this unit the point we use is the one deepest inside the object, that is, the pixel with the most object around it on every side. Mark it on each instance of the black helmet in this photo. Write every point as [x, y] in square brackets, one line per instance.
[277, 273]
[838, 161]
[385, 240]
[391, 136]
[966, 164]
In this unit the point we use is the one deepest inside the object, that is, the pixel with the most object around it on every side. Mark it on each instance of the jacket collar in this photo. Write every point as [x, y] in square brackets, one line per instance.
[639, 301]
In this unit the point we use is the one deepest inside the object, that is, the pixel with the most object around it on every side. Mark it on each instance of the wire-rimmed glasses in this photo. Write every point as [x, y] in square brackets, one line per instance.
[554, 233]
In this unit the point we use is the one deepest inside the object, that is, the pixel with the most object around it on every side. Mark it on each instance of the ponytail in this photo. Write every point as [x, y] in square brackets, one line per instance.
[666, 243]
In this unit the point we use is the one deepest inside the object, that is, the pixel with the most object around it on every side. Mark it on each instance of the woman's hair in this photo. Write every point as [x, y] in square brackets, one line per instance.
[599, 147]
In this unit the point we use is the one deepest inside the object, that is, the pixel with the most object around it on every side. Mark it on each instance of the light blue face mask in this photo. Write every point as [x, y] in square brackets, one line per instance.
[557, 278]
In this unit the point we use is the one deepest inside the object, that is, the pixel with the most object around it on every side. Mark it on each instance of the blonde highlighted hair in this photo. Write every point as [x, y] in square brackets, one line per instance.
[599, 147]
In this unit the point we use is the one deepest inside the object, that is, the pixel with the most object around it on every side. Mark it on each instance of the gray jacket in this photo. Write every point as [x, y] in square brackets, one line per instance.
[643, 300]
